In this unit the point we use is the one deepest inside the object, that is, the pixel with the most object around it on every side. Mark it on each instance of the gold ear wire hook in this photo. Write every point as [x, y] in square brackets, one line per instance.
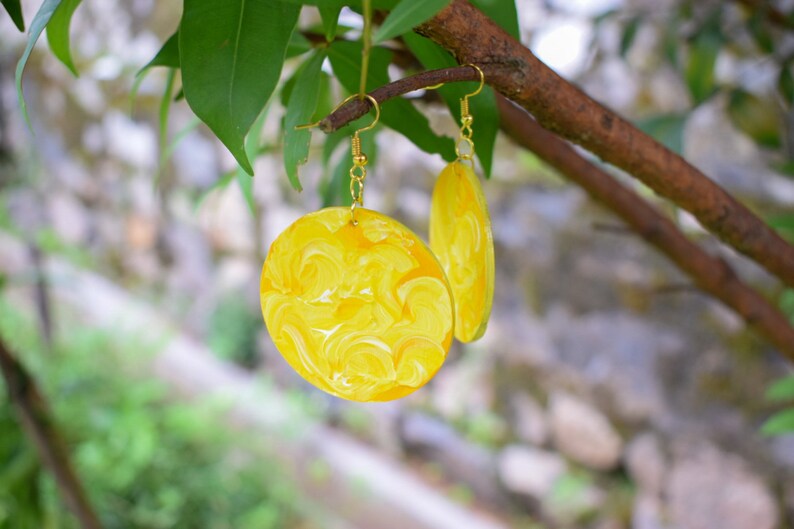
[482, 81]
[358, 173]
[375, 105]
[372, 101]
[466, 120]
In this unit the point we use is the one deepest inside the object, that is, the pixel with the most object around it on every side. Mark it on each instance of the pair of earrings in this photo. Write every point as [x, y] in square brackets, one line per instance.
[360, 306]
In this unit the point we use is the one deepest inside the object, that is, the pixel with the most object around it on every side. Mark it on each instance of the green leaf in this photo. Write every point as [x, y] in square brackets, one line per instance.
[398, 114]
[246, 184]
[165, 107]
[407, 15]
[177, 138]
[14, 10]
[628, 36]
[330, 17]
[666, 128]
[503, 12]
[699, 73]
[301, 107]
[781, 390]
[58, 33]
[758, 118]
[38, 24]
[761, 32]
[779, 424]
[785, 83]
[482, 106]
[332, 141]
[298, 45]
[335, 190]
[786, 168]
[231, 54]
[252, 149]
[671, 42]
[167, 56]
[786, 301]
[221, 183]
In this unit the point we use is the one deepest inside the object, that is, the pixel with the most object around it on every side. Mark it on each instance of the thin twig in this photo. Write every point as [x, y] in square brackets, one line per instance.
[42, 294]
[37, 424]
[564, 109]
[421, 81]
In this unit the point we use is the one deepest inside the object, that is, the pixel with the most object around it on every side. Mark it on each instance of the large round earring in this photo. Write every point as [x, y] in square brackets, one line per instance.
[460, 233]
[354, 301]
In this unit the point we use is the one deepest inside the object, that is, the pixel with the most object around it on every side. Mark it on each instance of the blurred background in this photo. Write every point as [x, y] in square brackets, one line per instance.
[607, 392]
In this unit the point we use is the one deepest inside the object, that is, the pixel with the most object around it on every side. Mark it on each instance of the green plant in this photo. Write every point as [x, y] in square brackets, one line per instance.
[233, 329]
[146, 461]
[782, 422]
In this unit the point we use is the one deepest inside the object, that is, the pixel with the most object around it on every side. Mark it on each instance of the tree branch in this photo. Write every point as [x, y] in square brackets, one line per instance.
[711, 274]
[421, 81]
[39, 427]
[562, 108]
[773, 14]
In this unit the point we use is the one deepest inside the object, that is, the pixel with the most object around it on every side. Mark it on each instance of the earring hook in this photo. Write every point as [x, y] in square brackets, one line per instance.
[372, 101]
[482, 81]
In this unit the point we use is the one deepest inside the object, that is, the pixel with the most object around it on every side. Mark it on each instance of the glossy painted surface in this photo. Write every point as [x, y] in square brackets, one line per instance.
[461, 238]
[363, 312]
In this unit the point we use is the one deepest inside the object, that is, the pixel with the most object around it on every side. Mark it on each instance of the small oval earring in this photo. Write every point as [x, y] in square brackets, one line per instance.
[354, 301]
[460, 232]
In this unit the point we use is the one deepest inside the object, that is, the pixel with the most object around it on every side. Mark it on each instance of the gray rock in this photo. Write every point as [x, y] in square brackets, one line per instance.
[619, 354]
[783, 450]
[69, 218]
[646, 463]
[709, 489]
[530, 471]
[648, 513]
[788, 499]
[531, 423]
[583, 433]
[461, 459]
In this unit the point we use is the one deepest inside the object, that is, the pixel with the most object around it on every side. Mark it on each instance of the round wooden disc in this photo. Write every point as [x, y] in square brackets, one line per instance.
[363, 312]
[461, 238]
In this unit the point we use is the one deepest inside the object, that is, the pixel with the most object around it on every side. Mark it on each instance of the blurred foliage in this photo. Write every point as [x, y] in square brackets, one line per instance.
[693, 38]
[233, 329]
[781, 422]
[782, 390]
[146, 461]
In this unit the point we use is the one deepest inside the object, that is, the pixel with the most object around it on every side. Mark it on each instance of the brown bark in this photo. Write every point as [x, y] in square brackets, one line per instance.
[358, 107]
[562, 108]
[38, 426]
[711, 274]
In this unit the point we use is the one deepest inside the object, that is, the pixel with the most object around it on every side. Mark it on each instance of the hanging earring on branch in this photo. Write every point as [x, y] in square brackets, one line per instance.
[354, 301]
[460, 232]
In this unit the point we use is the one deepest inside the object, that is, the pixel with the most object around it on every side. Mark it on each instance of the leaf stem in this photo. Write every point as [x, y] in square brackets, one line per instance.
[366, 38]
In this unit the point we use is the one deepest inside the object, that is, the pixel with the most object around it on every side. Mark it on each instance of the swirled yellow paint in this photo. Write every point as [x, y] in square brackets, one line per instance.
[461, 238]
[363, 312]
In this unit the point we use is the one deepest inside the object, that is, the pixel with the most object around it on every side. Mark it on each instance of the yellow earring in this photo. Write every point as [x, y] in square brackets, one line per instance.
[354, 301]
[460, 233]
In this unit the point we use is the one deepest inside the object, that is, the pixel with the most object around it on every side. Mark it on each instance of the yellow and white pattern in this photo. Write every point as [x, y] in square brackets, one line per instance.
[461, 238]
[363, 312]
